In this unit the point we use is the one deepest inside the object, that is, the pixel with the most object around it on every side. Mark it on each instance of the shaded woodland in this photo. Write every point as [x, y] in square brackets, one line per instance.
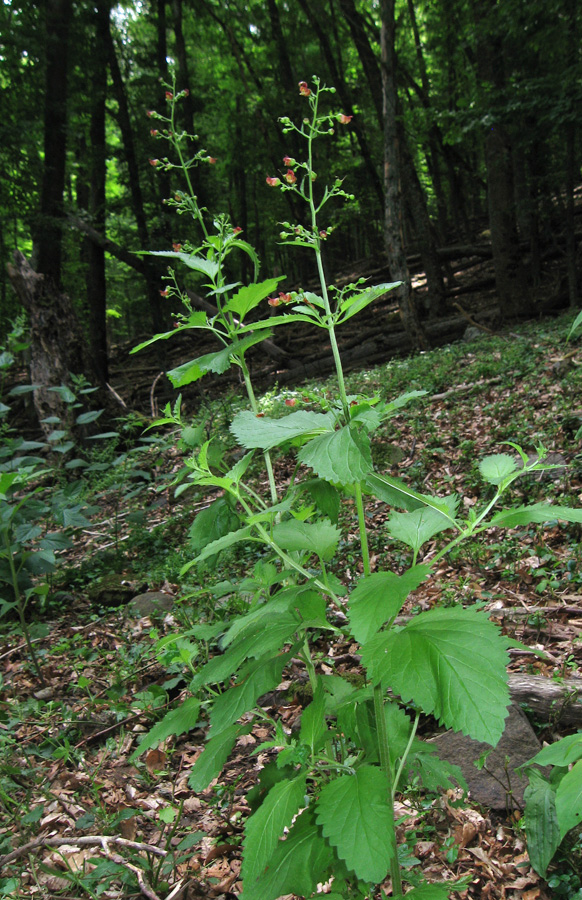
[463, 146]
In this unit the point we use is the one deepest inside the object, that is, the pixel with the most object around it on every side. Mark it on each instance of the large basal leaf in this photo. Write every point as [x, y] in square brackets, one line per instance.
[541, 822]
[210, 762]
[354, 813]
[378, 598]
[176, 722]
[297, 864]
[250, 296]
[251, 430]
[263, 676]
[537, 512]
[569, 799]
[451, 662]
[416, 527]
[264, 828]
[217, 362]
[318, 537]
[343, 456]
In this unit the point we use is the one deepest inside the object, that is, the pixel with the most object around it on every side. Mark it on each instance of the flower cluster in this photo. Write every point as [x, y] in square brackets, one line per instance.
[281, 299]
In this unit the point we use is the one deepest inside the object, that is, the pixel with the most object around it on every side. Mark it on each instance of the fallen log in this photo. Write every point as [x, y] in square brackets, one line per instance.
[557, 702]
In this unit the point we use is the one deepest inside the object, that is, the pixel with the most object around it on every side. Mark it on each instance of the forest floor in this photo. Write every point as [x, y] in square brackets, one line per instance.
[78, 818]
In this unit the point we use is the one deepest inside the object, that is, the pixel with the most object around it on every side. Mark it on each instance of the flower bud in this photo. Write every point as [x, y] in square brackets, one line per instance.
[237, 229]
[164, 293]
[154, 132]
[289, 161]
[211, 160]
[154, 162]
[290, 401]
[273, 301]
[272, 181]
[345, 120]
[177, 247]
[169, 95]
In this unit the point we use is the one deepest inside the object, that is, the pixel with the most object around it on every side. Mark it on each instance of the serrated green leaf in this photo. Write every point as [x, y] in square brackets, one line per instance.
[264, 828]
[396, 493]
[217, 362]
[541, 822]
[416, 527]
[537, 512]
[351, 306]
[253, 431]
[196, 320]
[250, 296]
[402, 400]
[452, 663]
[495, 469]
[297, 864]
[176, 722]
[325, 496]
[318, 537]
[378, 598]
[207, 267]
[569, 799]
[229, 540]
[210, 762]
[313, 727]
[343, 456]
[213, 523]
[262, 676]
[354, 813]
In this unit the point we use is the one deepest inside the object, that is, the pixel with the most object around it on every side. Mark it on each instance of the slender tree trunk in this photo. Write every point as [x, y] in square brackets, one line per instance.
[392, 186]
[152, 272]
[510, 279]
[49, 228]
[96, 278]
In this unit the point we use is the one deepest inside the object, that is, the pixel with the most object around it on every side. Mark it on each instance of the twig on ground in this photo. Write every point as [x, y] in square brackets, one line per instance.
[95, 840]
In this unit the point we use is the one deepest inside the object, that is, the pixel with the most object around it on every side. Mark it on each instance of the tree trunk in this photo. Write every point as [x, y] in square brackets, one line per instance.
[152, 273]
[392, 186]
[96, 278]
[48, 230]
[510, 279]
[58, 347]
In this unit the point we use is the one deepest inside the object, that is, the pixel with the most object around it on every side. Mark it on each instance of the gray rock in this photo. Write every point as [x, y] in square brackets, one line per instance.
[497, 785]
[150, 603]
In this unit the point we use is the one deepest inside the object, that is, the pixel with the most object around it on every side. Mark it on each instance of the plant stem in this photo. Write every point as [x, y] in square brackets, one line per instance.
[386, 767]
[255, 409]
[20, 609]
[362, 527]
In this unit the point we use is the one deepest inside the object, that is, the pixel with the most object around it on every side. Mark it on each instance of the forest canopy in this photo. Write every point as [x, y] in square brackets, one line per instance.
[462, 131]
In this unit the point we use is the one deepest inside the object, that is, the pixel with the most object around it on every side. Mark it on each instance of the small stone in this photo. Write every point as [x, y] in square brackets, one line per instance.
[150, 603]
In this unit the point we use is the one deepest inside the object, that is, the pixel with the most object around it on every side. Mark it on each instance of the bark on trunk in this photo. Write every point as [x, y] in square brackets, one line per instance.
[48, 235]
[392, 183]
[58, 346]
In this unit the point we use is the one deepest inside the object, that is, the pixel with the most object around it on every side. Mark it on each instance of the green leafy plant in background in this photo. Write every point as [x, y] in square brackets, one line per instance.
[553, 804]
[323, 808]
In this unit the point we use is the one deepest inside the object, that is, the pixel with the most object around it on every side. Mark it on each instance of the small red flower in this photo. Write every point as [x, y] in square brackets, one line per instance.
[290, 401]
[186, 92]
[304, 90]
[272, 181]
[323, 235]
[237, 229]
[211, 160]
[149, 113]
[290, 176]
[273, 301]
[169, 95]
[154, 162]
[285, 298]
[154, 132]
[289, 161]
[177, 247]
[345, 120]
[164, 293]
[260, 415]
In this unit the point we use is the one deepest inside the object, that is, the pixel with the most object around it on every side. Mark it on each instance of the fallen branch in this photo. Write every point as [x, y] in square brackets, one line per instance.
[464, 388]
[91, 840]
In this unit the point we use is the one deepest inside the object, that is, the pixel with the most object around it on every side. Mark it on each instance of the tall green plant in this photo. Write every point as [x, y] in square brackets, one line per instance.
[323, 808]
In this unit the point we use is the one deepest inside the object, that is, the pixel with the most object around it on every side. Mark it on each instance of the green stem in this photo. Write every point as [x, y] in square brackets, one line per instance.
[405, 755]
[309, 665]
[20, 609]
[255, 409]
[386, 767]
[362, 527]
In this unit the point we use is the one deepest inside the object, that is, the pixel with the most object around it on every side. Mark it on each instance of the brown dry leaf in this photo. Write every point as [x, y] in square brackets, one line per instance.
[464, 834]
[128, 828]
[155, 760]
[533, 894]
